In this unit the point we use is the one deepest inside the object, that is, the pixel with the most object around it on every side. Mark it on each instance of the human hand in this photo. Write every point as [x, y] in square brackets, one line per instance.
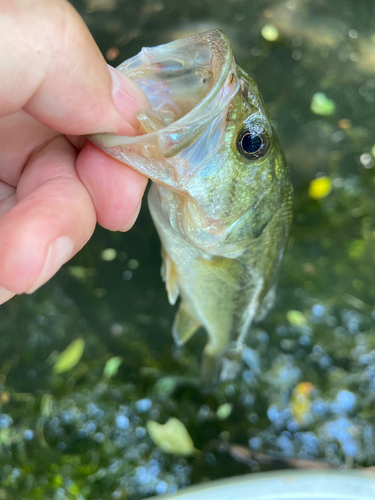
[54, 186]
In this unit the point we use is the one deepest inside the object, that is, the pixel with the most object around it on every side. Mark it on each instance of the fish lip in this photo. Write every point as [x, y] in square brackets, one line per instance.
[190, 117]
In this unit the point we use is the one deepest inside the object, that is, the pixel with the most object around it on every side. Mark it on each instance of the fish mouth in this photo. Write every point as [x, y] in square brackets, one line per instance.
[188, 83]
[181, 76]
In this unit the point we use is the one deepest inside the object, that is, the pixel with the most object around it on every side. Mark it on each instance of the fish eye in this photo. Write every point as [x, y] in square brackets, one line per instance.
[252, 144]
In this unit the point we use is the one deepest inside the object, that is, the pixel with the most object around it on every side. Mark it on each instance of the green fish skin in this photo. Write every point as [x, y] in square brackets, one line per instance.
[221, 194]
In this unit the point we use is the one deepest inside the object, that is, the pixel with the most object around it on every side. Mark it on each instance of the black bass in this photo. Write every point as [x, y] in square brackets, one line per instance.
[221, 193]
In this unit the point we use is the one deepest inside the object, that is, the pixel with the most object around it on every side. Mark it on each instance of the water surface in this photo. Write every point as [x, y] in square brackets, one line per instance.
[306, 391]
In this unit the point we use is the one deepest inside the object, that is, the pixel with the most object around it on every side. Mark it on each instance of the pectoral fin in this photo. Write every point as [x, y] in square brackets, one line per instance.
[170, 276]
[184, 325]
[228, 270]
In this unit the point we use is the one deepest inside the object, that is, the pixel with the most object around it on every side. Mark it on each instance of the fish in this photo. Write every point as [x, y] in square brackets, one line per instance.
[220, 196]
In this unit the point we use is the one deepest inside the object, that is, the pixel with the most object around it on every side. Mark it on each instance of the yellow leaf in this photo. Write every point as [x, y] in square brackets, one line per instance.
[270, 32]
[301, 401]
[67, 359]
[171, 437]
[320, 188]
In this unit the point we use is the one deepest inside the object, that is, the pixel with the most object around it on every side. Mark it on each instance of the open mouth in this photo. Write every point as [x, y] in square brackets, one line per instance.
[188, 83]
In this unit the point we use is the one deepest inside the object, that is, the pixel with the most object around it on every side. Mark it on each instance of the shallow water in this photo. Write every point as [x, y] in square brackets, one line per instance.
[306, 392]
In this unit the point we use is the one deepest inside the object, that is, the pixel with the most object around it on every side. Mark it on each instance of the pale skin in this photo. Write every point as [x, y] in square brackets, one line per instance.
[55, 87]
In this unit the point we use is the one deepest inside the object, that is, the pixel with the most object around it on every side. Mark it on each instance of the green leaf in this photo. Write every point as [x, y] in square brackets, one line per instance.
[165, 386]
[171, 437]
[224, 411]
[46, 405]
[356, 249]
[67, 359]
[321, 105]
[270, 32]
[112, 366]
[296, 318]
[109, 254]
[81, 273]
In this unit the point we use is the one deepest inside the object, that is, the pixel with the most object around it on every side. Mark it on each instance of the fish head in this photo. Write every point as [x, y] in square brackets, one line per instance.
[188, 83]
[236, 177]
[244, 159]
[206, 140]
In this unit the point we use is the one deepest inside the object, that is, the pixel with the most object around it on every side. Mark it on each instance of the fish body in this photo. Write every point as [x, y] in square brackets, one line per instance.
[221, 193]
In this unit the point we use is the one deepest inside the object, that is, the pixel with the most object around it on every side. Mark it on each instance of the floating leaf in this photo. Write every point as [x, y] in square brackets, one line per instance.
[224, 411]
[296, 318]
[165, 385]
[70, 357]
[357, 248]
[108, 254]
[46, 405]
[322, 105]
[112, 366]
[133, 264]
[270, 32]
[320, 188]
[301, 401]
[81, 273]
[171, 437]
[344, 124]
[57, 481]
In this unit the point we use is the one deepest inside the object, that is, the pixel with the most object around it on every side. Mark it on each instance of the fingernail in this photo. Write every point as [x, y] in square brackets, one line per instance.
[58, 253]
[130, 222]
[5, 294]
[127, 97]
